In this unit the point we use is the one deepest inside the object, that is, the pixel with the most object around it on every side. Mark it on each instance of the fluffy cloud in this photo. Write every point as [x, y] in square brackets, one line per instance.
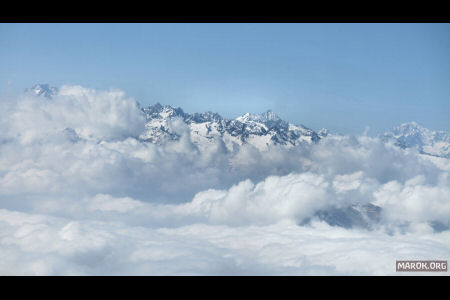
[415, 200]
[42, 245]
[81, 194]
[88, 113]
[295, 196]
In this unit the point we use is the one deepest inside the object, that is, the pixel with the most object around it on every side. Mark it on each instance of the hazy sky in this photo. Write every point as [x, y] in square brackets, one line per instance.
[340, 76]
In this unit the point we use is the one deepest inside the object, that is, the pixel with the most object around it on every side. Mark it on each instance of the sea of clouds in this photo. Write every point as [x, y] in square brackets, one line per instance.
[80, 194]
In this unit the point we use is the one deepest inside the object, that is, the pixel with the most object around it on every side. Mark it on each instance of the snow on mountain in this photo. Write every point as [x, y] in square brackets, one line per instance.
[43, 90]
[426, 141]
[323, 132]
[165, 122]
[260, 130]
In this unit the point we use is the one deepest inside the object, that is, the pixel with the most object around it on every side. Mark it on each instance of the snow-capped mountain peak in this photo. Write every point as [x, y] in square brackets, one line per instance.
[162, 111]
[414, 135]
[323, 132]
[268, 116]
[259, 130]
[43, 90]
[410, 129]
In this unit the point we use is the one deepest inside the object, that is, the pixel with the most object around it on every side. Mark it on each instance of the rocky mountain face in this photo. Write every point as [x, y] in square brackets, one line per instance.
[261, 130]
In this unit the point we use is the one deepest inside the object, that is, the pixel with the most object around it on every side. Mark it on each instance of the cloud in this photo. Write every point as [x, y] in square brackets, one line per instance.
[416, 201]
[41, 245]
[89, 113]
[104, 203]
[295, 196]
[81, 194]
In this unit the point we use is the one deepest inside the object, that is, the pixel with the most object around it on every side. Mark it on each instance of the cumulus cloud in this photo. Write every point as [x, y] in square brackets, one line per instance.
[80, 193]
[89, 113]
[415, 200]
[295, 196]
[41, 245]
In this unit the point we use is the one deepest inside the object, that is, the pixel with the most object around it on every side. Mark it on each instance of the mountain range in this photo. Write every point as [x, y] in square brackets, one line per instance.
[267, 129]
[260, 130]
[165, 123]
[426, 141]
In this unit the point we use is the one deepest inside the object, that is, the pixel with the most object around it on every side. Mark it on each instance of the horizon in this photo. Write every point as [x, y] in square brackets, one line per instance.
[94, 184]
[365, 131]
[344, 77]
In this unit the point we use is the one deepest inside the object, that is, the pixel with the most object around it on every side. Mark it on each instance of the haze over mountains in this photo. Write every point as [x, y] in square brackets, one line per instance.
[412, 135]
[165, 124]
[261, 130]
[93, 183]
[267, 129]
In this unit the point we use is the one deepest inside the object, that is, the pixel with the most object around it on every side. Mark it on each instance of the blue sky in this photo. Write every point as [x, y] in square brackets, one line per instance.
[343, 77]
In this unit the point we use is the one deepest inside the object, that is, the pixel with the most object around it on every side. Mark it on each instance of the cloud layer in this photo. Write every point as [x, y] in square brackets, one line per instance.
[81, 194]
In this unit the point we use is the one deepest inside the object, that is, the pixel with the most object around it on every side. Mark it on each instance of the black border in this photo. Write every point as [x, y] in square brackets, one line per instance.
[227, 12]
[295, 286]
[234, 287]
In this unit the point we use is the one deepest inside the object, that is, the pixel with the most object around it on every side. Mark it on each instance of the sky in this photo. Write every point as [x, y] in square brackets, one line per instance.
[81, 195]
[344, 77]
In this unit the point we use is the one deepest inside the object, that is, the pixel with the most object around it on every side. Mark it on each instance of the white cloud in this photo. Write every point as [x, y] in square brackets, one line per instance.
[295, 196]
[348, 182]
[415, 201]
[103, 202]
[39, 245]
[91, 114]
[80, 194]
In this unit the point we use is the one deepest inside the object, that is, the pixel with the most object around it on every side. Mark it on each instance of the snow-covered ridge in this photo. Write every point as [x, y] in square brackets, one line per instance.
[164, 122]
[117, 133]
[426, 141]
[260, 130]
[42, 90]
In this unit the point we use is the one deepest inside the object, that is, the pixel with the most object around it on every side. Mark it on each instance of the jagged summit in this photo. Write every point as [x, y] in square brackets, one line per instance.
[414, 135]
[164, 111]
[43, 90]
[260, 130]
[409, 128]
[268, 116]
[323, 132]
